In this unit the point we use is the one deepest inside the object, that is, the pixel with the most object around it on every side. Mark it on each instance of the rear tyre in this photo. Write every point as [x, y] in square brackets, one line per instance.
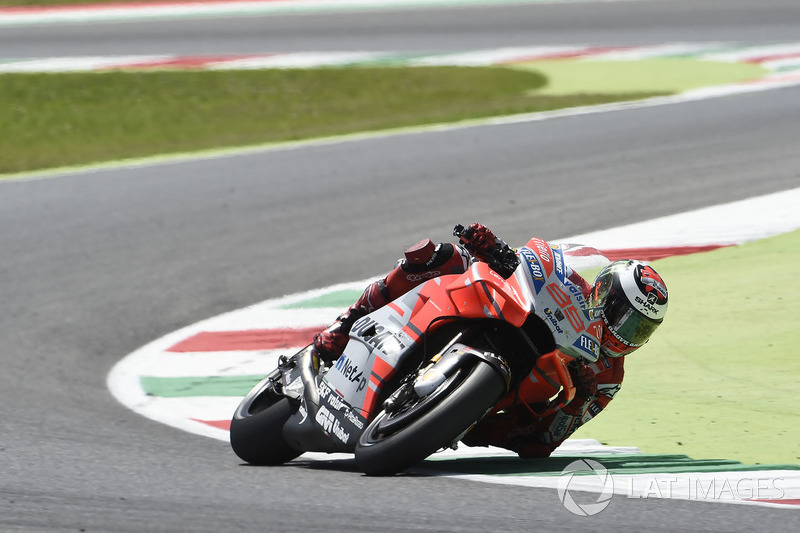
[257, 427]
[394, 442]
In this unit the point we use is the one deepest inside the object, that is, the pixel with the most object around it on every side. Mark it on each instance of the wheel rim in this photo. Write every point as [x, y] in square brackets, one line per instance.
[389, 423]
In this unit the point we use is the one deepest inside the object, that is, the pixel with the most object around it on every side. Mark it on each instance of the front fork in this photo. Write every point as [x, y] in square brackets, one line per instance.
[443, 366]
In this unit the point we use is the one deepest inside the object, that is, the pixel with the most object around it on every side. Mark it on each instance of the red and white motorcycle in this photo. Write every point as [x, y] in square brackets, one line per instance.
[419, 373]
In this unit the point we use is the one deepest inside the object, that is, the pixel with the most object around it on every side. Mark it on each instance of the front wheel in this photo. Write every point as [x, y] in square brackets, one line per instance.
[396, 441]
[257, 427]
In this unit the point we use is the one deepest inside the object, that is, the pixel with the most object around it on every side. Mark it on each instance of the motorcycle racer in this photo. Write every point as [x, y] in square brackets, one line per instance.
[633, 298]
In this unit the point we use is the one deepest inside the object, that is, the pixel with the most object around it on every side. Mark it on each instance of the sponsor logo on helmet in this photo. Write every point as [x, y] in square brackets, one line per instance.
[651, 285]
[613, 345]
[648, 304]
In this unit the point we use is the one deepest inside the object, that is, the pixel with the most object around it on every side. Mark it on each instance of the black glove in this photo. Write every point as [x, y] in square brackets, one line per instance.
[484, 246]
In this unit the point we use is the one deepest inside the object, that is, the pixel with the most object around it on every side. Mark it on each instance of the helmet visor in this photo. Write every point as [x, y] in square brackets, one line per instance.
[602, 284]
[628, 325]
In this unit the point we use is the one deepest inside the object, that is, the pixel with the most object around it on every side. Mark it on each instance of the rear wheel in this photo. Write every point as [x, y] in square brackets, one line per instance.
[257, 427]
[394, 441]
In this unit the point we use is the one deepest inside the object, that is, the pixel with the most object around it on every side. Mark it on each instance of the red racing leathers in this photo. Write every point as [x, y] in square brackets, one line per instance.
[520, 430]
[516, 428]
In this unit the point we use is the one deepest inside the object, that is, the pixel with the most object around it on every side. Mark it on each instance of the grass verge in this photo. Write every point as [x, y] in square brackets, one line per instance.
[53, 120]
[674, 74]
[719, 378]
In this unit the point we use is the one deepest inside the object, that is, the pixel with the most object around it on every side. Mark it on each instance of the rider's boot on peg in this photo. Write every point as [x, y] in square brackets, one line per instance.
[329, 344]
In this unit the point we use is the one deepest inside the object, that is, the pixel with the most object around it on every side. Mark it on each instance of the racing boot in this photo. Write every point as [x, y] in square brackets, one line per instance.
[329, 344]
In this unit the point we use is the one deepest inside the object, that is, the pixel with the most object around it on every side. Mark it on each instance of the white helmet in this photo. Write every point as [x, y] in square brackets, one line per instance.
[633, 298]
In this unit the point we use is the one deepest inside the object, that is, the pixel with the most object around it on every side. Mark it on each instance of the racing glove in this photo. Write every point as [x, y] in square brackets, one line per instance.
[585, 384]
[485, 246]
[478, 240]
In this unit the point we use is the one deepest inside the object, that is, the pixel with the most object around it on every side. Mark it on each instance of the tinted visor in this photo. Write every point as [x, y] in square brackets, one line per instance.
[602, 285]
[628, 325]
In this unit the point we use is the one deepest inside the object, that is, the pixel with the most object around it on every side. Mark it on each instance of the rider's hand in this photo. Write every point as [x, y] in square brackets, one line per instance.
[484, 246]
[478, 240]
[584, 379]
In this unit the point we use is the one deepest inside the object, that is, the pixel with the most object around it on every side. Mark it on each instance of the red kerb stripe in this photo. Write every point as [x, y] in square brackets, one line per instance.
[249, 340]
[775, 57]
[781, 502]
[220, 424]
[185, 62]
[570, 54]
[651, 254]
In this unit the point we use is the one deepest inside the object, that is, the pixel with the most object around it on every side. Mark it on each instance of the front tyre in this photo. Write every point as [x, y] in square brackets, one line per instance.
[257, 427]
[394, 442]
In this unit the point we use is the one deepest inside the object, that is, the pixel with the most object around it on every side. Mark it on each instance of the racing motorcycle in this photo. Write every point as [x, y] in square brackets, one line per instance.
[420, 372]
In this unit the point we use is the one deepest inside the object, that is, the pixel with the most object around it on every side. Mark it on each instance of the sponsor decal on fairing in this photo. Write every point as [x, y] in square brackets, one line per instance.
[377, 336]
[554, 319]
[588, 345]
[330, 424]
[534, 268]
[348, 370]
[558, 260]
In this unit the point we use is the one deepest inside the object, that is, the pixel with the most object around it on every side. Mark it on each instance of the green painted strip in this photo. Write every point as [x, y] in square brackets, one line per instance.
[183, 387]
[615, 464]
[343, 298]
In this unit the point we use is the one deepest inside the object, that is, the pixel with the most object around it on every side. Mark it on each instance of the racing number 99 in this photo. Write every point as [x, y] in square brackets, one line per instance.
[562, 300]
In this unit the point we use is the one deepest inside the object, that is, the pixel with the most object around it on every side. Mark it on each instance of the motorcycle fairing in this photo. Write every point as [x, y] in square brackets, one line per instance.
[575, 326]
[323, 422]
[380, 340]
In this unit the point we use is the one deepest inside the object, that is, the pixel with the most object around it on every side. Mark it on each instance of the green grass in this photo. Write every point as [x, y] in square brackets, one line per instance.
[52, 120]
[674, 74]
[720, 377]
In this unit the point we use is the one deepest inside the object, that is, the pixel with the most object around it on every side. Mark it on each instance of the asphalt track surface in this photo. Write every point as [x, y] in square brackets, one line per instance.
[95, 265]
[443, 29]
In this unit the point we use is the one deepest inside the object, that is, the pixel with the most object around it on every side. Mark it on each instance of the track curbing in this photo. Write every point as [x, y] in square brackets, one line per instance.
[209, 379]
